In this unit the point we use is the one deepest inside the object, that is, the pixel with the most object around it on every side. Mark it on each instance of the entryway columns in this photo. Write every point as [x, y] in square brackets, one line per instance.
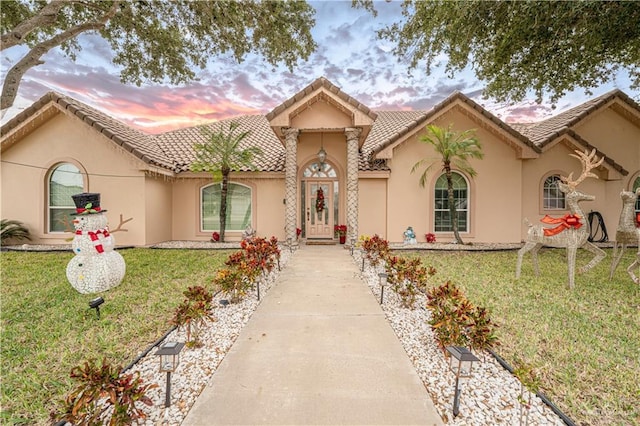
[290, 181]
[353, 135]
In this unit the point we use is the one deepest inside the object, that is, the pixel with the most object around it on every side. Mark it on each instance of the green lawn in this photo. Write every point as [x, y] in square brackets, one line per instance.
[585, 342]
[47, 327]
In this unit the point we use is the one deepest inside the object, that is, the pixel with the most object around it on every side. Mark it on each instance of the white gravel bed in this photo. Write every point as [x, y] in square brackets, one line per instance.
[489, 397]
[197, 365]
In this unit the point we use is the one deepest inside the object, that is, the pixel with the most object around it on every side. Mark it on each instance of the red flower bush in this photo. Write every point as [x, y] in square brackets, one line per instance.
[431, 238]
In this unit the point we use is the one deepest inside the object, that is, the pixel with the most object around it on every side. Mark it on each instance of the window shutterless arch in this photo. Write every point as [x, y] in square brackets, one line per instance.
[552, 197]
[442, 216]
[63, 181]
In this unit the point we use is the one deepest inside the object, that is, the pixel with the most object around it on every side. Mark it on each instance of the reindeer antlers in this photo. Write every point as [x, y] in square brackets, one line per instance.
[589, 162]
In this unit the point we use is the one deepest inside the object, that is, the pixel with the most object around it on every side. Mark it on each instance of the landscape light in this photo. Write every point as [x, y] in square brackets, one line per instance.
[460, 363]
[383, 281]
[95, 304]
[169, 355]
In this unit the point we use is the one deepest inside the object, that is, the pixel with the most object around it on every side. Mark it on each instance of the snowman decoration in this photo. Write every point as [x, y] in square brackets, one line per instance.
[96, 267]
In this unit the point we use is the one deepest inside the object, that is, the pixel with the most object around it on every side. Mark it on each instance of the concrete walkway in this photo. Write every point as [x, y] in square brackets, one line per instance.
[317, 350]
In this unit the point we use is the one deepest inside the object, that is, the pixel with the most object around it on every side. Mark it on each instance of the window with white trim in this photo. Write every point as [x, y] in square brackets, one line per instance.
[65, 180]
[443, 222]
[552, 197]
[238, 207]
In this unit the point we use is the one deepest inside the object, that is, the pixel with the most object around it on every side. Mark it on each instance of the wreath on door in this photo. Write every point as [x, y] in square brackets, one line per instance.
[319, 200]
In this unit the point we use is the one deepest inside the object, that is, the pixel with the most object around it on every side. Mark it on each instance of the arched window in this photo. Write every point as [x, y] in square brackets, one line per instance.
[552, 197]
[319, 170]
[442, 215]
[64, 181]
[238, 207]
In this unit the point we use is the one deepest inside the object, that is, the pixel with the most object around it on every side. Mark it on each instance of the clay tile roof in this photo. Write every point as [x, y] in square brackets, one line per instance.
[174, 150]
[401, 123]
[547, 130]
[179, 143]
[389, 125]
[321, 82]
[137, 143]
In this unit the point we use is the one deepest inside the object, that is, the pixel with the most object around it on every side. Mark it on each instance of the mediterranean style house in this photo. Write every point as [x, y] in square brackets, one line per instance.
[59, 147]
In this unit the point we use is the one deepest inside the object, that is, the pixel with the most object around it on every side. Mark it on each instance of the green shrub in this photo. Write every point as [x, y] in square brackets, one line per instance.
[13, 230]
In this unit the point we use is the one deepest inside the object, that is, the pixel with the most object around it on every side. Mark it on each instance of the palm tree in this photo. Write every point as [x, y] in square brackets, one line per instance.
[221, 154]
[455, 149]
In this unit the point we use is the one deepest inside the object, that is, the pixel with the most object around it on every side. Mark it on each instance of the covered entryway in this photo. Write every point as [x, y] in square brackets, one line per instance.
[319, 200]
[321, 110]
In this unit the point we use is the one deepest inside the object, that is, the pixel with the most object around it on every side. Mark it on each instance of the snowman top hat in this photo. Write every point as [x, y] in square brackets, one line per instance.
[87, 203]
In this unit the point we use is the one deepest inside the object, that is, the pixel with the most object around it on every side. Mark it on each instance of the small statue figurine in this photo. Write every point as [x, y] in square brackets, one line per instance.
[248, 233]
[409, 236]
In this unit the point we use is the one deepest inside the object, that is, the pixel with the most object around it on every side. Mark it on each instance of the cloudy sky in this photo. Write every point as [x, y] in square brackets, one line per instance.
[348, 54]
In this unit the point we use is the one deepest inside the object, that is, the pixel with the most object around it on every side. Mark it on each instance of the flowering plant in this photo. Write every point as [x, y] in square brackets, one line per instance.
[215, 237]
[319, 200]
[431, 238]
[340, 230]
[298, 232]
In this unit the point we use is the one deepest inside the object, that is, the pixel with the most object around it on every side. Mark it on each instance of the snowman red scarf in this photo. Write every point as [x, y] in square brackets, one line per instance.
[94, 237]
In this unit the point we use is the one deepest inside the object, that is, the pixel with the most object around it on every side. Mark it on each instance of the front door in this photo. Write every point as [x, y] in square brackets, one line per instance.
[319, 209]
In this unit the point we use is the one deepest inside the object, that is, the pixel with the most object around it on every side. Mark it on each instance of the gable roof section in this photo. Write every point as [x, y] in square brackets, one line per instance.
[519, 142]
[322, 89]
[179, 143]
[544, 132]
[139, 144]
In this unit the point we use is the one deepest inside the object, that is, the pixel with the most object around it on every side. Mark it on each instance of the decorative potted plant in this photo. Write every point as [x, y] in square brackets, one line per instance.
[341, 232]
[298, 232]
[215, 237]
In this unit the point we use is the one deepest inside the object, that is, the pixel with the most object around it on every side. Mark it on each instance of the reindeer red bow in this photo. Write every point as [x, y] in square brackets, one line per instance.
[566, 222]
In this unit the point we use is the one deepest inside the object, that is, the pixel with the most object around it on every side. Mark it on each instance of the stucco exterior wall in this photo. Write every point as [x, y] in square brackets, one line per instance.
[112, 172]
[372, 203]
[619, 139]
[270, 207]
[267, 206]
[495, 201]
[158, 214]
[321, 115]
[615, 136]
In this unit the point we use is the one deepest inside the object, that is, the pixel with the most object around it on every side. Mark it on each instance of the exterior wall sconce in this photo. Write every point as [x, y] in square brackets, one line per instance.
[95, 304]
[383, 282]
[169, 355]
[460, 363]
